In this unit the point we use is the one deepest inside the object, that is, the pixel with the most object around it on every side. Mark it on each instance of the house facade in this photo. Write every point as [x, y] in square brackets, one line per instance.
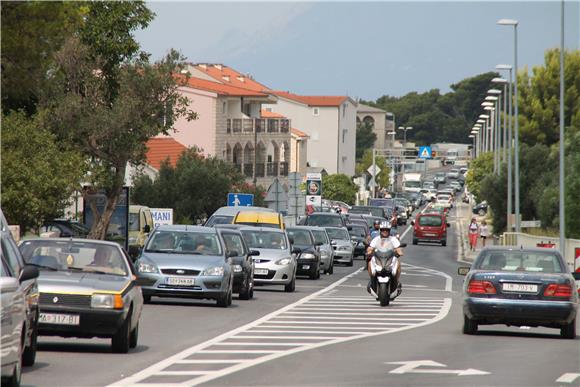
[377, 120]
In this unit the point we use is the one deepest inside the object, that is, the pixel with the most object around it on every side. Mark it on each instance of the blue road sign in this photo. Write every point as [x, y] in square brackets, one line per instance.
[240, 200]
[424, 152]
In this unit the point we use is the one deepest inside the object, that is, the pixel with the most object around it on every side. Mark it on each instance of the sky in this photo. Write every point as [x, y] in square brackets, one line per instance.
[361, 49]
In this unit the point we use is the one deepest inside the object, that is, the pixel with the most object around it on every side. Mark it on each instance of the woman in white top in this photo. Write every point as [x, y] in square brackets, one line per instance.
[483, 232]
[473, 231]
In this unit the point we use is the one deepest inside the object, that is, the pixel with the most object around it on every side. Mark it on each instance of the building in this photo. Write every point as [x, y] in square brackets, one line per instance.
[298, 151]
[377, 119]
[330, 123]
[159, 149]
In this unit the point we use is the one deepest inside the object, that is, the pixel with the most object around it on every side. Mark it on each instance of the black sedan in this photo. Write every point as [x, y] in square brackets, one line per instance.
[520, 287]
[308, 256]
[480, 209]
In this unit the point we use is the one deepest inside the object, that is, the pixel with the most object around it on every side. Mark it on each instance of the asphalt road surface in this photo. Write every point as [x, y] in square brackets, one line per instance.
[329, 332]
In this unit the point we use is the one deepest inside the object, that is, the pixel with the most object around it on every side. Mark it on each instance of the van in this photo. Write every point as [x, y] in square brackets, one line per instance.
[431, 227]
[140, 225]
[225, 215]
[260, 219]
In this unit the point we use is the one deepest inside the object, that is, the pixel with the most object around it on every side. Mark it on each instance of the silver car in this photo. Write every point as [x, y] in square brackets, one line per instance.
[276, 264]
[186, 261]
[342, 245]
[326, 251]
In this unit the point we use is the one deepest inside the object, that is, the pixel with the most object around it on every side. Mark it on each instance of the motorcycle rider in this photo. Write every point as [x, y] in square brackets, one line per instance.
[385, 242]
[375, 231]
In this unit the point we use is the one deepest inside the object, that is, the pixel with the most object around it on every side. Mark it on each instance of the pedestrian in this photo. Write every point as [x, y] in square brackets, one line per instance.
[472, 231]
[483, 232]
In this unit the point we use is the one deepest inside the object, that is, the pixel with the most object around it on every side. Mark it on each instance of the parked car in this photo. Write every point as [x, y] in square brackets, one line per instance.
[343, 247]
[520, 287]
[87, 289]
[480, 209]
[308, 257]
[326, 251]
[276, 264]
[430, 227]
[186, 261]
[240, 259]
[225, 215]
[360, 236]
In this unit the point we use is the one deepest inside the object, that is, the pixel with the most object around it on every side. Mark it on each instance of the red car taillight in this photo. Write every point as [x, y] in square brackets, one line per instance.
[556, 290]
[480, 287]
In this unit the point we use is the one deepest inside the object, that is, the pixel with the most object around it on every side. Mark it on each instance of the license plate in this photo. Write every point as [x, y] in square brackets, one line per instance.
[60, 319]
[383, 279]
[524, 288]
[306, 267]
[178, 281]
[261, 271]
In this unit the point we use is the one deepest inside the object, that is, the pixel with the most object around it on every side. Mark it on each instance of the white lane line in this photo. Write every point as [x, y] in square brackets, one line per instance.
[359, 314]
[568, 377]
[320, 328]
[230, 344]
[349, 318]
[356, 298]
[448, 279]
[212, 361]
[364, 311]
[335, 322]
[285, 331]
[219, 351]
[185, 373]
[287, 337]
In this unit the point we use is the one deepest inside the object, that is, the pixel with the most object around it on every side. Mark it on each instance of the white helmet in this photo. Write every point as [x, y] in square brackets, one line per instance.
[385, 225]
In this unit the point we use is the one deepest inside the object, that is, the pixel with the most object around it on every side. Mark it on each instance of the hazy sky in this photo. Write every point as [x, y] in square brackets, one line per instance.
[365, 49]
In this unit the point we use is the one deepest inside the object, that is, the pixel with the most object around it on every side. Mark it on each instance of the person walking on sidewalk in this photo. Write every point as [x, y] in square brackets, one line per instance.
[473, 232]
[483, 232]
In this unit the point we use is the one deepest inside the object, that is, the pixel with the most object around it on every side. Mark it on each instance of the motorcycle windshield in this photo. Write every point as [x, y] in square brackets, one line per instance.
[385, 256]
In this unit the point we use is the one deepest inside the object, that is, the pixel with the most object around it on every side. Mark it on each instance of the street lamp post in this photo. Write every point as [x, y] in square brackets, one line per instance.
[404, 129]
[494, 95]
[514, 24]
[509, 148]
[562, 196]
[505, 113]
[489, 133]
[484, 117]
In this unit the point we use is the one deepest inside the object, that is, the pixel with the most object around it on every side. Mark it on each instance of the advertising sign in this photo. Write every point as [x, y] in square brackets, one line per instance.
[162, 216]
[118, 230]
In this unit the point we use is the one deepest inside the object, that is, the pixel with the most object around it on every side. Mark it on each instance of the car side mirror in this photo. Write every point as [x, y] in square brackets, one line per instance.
[448, 224]
[333, 242]
[254, 253]
[412, 223]
[146, 228]
[233, 253]
[296, 250]
[463, 270]
[28, 272]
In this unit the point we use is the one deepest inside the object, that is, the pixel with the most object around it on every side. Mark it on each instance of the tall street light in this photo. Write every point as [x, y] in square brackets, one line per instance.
[504, 129]
[484, 117]
[477, 129]
[487, 104]
[509, 148]
[489, 132]
[494, 95]
[562, 196]
[514, 24]
[404, 129]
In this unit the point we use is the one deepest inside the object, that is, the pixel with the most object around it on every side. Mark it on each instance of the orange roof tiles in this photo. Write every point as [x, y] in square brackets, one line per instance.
[268, 114]
[313, 100]
[161, 148]
[229, 76]
[298, 133]
[219, 88]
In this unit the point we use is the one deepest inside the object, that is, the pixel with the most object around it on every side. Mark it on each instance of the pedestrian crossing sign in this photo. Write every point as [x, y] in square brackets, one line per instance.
[424, 152]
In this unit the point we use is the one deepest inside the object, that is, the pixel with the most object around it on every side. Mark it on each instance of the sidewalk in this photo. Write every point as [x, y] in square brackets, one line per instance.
[463, 214]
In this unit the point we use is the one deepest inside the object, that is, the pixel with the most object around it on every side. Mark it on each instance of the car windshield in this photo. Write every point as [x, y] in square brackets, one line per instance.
[257, 239]
[324, 220]
[320, 237]
[338, 233]
[358, 231]
[430, 221]
[520, 261]
[300, 237]
[184, 242]
[374, 211]
[133, 222]
[66, 255]
[219, 219]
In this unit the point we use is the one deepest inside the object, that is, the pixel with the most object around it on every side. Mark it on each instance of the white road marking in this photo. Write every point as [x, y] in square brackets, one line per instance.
[211, 361]
[411, 367]
[288, 337]
[568, 377]
[359, 314]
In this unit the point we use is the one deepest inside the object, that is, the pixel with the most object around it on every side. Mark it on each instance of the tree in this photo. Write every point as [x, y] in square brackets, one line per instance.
[111, 127]
[478, 170]
[194, 188]
[39, 174]
[365, 138]
[366, 161]
[339, 187]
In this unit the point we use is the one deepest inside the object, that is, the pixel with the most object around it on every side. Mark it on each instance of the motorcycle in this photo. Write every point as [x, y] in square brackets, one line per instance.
[383, 284]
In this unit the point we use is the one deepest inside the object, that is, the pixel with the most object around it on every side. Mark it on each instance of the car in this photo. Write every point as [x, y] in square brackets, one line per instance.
[429, 185]
[453, 173]
[480, 209]
[406, 204]
[186, 261]
[14, 319]
[225, 215]
[322, 240]
[462, 170]
[260, 219]
[430, 227]
[276, 264]
[324, 219]
[445, 200]
[368, 210]
[87, 288]
[440, 178]
[308, 258]
[427, 193]
[520, 287]
[352, 220]
[456, 185]
[64, 228]
[372, 219]
[438, 208]
[240, 259]
[342, 245]
[360, 236]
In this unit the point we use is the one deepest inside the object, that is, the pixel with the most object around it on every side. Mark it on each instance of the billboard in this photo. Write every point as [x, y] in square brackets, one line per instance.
[162, 216]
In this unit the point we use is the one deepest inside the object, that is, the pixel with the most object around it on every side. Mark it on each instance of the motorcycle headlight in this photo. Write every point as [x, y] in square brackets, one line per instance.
[378, 265]
[107, 301]
[145, 266]
[214, 271]
[307, 256]
[237, 268]
[283, 261]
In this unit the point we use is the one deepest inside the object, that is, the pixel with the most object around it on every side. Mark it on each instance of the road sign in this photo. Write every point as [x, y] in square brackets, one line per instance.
[314, 200]
[414, 365]
[294, 181]
[240, 200]
[276, 196]
[376, 169]
[530, 223]
[425, 152]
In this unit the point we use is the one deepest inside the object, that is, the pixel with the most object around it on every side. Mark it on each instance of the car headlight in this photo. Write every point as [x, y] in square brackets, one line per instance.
[214, 271]
[237, 268]
[324, 254]
[283, 261]
[344, 248]
[307, 256]
[107, 301]
[147, 267]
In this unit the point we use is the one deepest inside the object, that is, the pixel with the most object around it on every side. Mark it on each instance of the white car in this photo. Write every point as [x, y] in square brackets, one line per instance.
[453, 174]
[445, 200]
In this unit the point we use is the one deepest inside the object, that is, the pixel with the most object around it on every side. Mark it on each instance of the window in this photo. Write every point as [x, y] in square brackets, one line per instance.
[224, 107]
[315, 111]
[343, 110]
[344, 134]
[234, 243]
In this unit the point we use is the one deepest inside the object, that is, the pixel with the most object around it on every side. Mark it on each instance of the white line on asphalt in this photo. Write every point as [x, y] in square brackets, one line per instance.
[349, 318]
[211, 361]
[568, 377]
[301, 330]
[185, 373]
[361, 310]
[360, 313]
[288, 337]
[230, 344]
[337, 323]
[315, 328]
[223, 351]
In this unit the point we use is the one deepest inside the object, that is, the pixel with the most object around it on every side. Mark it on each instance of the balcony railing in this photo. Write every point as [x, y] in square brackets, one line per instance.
[260, 168]
[272, 169]
[283, 168]
[258, 125]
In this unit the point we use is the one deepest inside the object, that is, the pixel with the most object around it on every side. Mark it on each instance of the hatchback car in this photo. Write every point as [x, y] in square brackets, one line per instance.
[480, 209]
[308, 259]
[453, 173]
[87, 289]
[276, 264]
[342, 245]
[520, 287]
[430, 227]
[186, 261]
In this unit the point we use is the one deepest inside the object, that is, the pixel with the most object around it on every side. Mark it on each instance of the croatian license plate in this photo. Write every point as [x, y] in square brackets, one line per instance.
[524, 288]
[59, 319]
[306, 267]
[178, 281]
[261, 271]
[383, 279]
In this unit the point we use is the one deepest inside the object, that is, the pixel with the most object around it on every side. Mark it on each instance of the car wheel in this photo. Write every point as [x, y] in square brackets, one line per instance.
[291, 286]
[415, 241]
[146, 299]
[14, 379]
[245, 291]
[469, 326]
[29, 354]
[568, 331]
[481, 212]
[134, 337]
[225, 300]
[331, 268]
[121, 339]
[444, 242]
[350, 263]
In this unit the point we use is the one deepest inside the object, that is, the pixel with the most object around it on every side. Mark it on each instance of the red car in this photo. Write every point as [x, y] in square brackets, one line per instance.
[430, 227]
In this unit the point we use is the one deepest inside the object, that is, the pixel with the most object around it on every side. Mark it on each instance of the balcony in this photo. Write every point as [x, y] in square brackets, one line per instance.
[272, 169]
[257, 125]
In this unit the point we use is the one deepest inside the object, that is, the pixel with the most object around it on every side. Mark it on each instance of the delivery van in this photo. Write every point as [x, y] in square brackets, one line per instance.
[260, 219]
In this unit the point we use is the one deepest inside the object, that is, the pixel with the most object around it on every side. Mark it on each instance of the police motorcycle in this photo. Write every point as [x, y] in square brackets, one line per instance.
[384, 285]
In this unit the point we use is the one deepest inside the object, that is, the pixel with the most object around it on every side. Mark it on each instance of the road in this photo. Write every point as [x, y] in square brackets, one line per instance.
[329, 332]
